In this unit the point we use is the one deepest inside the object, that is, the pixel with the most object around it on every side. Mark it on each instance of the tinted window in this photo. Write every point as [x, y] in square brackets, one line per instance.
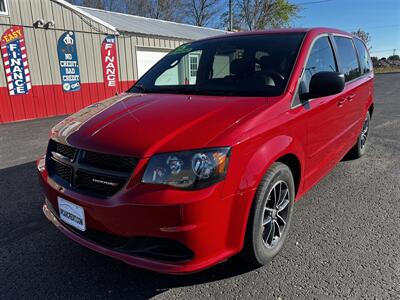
[347, 58]
[250, 65]
[365, 60]
[321, 59]
[222, 62]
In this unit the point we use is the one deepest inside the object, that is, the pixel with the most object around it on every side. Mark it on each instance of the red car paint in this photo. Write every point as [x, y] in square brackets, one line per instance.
[210, 221]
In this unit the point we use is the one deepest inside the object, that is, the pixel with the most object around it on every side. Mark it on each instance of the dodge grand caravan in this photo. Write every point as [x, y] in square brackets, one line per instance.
[204, 156]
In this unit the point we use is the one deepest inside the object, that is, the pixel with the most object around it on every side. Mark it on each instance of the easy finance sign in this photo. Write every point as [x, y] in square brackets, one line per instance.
[110, 63]
[15, 61]
[68, 60]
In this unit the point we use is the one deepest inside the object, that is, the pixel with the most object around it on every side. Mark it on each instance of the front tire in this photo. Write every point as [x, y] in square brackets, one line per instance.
[270, 215]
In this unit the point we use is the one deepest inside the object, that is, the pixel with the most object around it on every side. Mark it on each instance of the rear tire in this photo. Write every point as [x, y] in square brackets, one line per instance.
[270, 216]
[359, 148]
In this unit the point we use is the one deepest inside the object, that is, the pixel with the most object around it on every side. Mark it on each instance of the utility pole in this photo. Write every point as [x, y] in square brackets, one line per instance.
[230, 27]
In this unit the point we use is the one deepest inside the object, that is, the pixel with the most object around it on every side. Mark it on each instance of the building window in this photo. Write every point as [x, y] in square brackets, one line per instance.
[3, 7]
[194, 64]
[182, 71]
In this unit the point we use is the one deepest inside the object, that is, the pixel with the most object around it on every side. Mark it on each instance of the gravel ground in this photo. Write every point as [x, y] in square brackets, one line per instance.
[344, 242]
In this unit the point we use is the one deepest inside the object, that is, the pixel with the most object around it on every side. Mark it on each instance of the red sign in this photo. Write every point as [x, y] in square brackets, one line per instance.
[110, 62]
[15, 61]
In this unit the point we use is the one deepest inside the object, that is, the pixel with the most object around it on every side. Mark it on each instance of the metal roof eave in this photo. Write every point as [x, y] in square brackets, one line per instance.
[87, 15]
[126, 33]
[126, 23]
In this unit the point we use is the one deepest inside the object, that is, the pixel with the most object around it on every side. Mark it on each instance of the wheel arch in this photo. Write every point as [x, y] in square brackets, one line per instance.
[284, 149]
[293, 162]
[371, 109]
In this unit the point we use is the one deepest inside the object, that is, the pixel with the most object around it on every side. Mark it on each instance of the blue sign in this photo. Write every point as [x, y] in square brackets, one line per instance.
[68, 61]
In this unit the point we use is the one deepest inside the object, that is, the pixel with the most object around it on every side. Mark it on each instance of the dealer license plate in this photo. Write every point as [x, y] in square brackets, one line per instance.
[72, 214]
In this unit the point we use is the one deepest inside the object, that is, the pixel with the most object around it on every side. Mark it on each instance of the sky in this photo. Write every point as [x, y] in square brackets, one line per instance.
[381, 18]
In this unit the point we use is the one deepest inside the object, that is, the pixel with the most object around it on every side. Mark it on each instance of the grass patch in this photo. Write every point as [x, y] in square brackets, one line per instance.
[386, 70]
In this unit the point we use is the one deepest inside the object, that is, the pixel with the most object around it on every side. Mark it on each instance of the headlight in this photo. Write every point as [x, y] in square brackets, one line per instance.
[188, 169]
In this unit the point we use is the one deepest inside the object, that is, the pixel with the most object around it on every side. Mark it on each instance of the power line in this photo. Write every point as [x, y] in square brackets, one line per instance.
[376, 27]
[383, 51]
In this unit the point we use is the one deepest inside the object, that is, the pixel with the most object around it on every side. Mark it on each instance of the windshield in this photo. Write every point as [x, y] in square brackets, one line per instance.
[252, 65]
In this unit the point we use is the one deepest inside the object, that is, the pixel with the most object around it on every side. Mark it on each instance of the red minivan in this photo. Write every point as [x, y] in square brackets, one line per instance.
[204, 156]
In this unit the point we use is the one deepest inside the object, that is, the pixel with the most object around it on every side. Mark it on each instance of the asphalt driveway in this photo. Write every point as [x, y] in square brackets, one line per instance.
[344, 242]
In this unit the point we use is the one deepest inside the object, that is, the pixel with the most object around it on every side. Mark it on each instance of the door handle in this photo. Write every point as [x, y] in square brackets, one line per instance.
[350, 97]
[341, 101]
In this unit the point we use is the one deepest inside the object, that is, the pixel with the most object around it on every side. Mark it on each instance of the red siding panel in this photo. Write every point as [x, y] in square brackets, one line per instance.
[51, 100]
[40, 99]
[59, 96]
[85, 95]
[18, 107]
[29, 105]
[6, 109]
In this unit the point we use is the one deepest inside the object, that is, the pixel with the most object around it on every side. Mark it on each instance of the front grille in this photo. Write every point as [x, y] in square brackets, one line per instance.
[102, 184]
[63, 171]
[109, 162]
[156, 248]
[62, 149]
[161, 249]
[104, 239]
[97, 174]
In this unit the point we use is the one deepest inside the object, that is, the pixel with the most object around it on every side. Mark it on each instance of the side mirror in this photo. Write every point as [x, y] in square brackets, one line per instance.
[324, 84]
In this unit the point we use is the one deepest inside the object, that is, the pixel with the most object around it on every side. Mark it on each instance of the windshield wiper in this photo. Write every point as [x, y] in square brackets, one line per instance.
[196, 91]
[183, 90]
[139, 87]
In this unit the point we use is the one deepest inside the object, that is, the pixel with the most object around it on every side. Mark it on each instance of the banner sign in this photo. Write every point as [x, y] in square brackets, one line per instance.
[15, 61]
[110, 63]
[68, 61]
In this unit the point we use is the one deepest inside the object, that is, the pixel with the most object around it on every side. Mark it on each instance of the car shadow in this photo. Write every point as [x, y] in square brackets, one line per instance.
[45, 263]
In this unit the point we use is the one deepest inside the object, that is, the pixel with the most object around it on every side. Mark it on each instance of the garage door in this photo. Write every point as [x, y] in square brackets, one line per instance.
[147, 58]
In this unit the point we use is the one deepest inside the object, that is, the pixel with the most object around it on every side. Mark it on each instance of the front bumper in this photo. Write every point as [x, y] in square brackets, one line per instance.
[199, 220]
[153, 265]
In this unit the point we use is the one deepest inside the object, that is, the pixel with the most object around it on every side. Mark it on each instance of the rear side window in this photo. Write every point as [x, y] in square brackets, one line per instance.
[321, 59]
[365, 60]
[347, 58]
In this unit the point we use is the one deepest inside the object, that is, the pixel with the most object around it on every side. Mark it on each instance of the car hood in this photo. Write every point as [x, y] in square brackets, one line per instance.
[143, 124]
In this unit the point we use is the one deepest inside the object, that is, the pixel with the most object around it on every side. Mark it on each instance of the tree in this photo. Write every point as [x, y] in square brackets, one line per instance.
[93, 3]
[138, 8]
[364, 36]
[169, 10]
[112, 5]
[200, 12]
[374, 59]
[394, 57]
[224, 20]
[261, 14]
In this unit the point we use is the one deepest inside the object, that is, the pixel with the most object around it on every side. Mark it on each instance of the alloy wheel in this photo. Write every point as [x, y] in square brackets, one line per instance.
[276, 213]
[364, 133]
